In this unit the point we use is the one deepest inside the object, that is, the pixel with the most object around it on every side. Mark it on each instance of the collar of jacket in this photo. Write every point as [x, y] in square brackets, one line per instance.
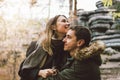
[94, 48]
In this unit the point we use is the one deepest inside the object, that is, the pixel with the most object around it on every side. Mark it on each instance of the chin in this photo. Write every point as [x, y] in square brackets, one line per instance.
[65, 49]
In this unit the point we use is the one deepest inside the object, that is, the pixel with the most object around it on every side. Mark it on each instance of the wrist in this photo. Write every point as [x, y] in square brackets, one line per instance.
[39, 73]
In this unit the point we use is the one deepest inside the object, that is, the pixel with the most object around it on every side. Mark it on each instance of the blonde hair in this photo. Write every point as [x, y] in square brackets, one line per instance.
[46, 36]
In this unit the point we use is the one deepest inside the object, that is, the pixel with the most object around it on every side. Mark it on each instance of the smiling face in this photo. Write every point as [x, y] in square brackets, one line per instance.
[61, 26]
[70, 41]
[76, 38]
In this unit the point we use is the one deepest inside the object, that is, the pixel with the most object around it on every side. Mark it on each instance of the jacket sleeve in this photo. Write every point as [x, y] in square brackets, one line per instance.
[68, 74]
[28, 74]
[86, 70]
[63, 75]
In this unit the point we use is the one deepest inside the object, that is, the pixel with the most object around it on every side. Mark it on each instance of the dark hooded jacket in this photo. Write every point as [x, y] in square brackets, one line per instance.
[78, 67]
[82, 67]
[37, 59]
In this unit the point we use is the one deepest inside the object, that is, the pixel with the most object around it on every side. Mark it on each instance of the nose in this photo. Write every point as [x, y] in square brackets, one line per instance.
[64, 39]
[68, 24]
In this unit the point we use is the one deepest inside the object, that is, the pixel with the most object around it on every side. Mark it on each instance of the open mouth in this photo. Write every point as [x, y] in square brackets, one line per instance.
[66, 27]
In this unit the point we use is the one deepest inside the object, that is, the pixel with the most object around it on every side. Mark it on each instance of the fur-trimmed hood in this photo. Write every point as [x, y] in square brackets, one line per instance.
[95, 48]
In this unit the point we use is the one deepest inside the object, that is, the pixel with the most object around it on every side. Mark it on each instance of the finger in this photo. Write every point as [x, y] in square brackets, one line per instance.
[50, 71]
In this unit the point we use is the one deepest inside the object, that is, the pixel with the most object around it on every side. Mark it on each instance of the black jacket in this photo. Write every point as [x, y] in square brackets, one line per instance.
[35, 54]
[71, 71]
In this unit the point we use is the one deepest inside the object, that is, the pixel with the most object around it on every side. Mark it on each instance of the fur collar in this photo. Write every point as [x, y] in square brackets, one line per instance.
[95, 48]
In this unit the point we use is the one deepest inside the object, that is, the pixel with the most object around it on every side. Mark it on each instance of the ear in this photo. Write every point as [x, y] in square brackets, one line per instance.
[53, 27]
[80, 42]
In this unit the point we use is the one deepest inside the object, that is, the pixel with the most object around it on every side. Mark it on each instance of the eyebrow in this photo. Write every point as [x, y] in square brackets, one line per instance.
[62, 20]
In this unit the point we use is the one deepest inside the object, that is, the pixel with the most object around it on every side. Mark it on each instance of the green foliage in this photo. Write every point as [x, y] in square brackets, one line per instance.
[116, 5]
[118, 27]
[107, 3]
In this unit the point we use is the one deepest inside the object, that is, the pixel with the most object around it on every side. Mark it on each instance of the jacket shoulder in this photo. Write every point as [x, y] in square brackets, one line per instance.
[31, 48]
[95, 48]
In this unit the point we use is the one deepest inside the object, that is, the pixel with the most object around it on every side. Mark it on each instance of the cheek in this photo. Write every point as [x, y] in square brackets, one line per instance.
[72, 45]
[61, 29]
[66, 30]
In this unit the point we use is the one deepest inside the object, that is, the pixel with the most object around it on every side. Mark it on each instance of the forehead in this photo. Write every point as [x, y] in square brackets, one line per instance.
[61, 17]
[70, 33]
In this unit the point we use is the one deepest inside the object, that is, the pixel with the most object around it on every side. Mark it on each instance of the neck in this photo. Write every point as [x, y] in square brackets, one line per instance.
[72, 53]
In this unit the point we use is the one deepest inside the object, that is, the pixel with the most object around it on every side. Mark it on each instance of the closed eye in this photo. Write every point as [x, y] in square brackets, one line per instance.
[64, 20]
[68, 36]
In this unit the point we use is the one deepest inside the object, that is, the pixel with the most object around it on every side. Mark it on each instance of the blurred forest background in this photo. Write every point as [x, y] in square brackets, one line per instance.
[21, 22]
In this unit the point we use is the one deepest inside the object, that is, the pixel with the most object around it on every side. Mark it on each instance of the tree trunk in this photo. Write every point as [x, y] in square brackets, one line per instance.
[75, 8]
[70, 7]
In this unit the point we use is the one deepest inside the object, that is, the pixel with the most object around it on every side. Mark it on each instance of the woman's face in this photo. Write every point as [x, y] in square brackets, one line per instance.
[62, 25]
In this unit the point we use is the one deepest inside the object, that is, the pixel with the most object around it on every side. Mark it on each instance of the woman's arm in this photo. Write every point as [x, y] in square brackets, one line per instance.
[32, 73]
